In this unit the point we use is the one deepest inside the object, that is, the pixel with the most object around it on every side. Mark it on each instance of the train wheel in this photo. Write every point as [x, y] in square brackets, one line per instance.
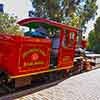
[3, 77]
[6, 84]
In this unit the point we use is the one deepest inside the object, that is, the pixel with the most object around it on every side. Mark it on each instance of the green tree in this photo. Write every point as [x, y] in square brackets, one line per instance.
[94, 37]
[73, 12]
[8, 25]
[97, 29]
[97, 36]
[91, 40]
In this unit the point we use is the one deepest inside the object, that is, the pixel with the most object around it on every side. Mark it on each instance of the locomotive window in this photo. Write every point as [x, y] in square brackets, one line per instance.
[71, 39]
[79, 38]
[68, 39]
[65, 39]
[72, 35]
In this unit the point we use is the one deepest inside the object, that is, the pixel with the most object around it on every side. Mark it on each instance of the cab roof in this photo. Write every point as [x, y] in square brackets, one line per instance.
[35, 22]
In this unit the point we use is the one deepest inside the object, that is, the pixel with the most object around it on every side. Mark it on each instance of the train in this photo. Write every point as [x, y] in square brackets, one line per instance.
[46, 50]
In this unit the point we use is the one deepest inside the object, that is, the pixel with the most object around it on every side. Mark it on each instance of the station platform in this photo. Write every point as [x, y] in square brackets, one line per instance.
[85, 86]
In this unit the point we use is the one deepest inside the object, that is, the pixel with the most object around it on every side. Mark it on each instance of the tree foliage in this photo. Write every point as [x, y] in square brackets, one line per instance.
[94, 37]
[97, 28]
[8, 26]
[91, 40]
[73, 12]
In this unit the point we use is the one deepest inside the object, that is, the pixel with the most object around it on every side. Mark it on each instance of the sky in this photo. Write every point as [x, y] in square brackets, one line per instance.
[20, 8]
[90, 24]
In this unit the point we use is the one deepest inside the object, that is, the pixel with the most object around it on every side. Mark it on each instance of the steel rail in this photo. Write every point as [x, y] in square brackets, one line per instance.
[17, 94]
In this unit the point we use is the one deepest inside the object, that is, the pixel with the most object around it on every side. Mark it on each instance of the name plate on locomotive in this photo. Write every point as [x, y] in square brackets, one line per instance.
[33, 57]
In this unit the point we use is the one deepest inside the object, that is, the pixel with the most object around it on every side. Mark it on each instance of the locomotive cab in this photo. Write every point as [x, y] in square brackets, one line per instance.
[49, 48]
[62, 37]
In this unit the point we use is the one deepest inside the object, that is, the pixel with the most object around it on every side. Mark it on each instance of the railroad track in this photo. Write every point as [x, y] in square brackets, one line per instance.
[32, 89]
[29, 90]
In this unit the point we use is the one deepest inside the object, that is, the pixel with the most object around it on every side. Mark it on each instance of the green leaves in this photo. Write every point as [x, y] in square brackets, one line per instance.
[7, 25]
[94, 37]
[72, 12]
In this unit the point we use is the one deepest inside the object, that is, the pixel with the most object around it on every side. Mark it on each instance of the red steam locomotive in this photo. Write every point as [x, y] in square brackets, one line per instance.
[48, 48]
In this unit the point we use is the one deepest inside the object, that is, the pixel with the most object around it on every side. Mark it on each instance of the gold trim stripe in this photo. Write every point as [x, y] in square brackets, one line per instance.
[24, 75]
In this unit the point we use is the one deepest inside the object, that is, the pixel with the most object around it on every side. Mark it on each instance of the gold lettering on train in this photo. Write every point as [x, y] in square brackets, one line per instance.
[33, 50]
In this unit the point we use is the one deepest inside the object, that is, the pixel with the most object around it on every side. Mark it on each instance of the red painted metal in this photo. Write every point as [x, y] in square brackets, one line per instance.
[66, 54]
[46, 21]
[84, 43]
[16, 54]
[24, 55]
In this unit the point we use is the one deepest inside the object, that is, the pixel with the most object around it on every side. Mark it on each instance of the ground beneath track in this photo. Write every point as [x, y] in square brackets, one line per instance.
[85, 86]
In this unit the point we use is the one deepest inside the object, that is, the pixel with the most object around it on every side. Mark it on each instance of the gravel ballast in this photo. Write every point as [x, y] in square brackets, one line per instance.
[85, 86]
